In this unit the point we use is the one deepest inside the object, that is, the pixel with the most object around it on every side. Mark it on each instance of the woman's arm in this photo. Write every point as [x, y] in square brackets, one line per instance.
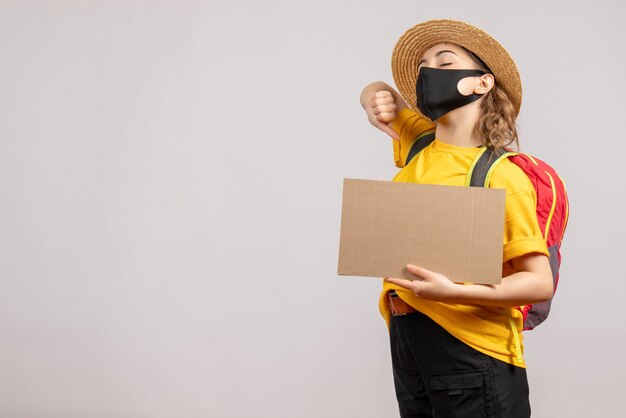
[531, 283]
[382, 105]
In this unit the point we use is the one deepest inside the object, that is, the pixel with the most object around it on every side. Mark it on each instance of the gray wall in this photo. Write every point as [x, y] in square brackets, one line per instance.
[170, 196]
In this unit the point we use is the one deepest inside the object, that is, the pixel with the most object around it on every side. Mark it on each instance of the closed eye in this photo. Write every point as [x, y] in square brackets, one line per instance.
[445, 63]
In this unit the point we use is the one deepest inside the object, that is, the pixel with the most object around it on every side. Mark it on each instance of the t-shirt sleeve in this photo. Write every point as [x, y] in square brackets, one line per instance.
[522, 234]
[409, 125]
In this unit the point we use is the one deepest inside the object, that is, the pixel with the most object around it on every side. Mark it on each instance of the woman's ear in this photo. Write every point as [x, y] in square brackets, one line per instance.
[484, 84]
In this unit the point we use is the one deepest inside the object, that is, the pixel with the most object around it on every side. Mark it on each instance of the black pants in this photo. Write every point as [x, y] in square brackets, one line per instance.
[437, 375]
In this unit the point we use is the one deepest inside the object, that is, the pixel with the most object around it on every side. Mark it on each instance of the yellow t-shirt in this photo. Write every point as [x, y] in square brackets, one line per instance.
[485, 328]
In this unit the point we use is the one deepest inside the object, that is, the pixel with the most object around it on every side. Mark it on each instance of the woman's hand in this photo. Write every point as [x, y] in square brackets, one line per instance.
[429, 285]
[381, 110]
[382, 105]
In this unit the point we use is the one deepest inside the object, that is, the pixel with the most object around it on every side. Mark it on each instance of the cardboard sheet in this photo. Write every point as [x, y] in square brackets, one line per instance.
[457, 231]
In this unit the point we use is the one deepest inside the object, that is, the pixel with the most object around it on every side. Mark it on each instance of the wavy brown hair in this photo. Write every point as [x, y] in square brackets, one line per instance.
[496, 125]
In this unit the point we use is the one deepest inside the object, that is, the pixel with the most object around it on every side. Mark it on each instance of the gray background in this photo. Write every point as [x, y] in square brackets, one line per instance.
[170, 197]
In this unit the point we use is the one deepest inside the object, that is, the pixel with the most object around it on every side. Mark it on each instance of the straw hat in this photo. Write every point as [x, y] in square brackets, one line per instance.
[415, 41]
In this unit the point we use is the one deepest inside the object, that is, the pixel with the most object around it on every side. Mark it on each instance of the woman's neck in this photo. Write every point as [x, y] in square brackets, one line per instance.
[457, 127]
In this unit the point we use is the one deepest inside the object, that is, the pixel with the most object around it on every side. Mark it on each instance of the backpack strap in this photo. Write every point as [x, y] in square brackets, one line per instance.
[480, 172]
[478, 176]
[421, 142]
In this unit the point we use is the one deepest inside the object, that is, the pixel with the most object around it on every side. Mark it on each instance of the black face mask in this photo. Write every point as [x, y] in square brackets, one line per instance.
[437, 92]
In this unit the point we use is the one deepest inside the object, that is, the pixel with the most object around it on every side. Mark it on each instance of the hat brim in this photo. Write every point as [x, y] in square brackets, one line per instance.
[414, 42]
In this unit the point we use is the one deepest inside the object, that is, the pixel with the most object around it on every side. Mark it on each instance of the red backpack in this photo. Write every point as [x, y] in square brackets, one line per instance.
[552, 206]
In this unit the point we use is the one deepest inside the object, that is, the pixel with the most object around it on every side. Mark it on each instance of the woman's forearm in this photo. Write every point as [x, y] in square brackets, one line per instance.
[531, 283]
[518, 289]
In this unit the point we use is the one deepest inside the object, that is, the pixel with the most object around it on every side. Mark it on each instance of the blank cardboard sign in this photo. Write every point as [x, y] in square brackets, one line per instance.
[456, 231]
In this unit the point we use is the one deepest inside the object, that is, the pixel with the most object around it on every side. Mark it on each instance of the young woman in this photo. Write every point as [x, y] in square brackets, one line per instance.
[457, 349]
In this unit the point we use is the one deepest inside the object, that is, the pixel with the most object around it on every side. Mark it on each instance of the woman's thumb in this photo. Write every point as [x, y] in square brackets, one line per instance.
[387, 129]
[418, 271]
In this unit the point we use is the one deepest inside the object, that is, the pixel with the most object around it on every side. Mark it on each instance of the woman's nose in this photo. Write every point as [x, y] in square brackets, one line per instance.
[425, 65]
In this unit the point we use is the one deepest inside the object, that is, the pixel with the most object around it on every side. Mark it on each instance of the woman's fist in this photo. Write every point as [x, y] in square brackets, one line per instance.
[381, 109]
